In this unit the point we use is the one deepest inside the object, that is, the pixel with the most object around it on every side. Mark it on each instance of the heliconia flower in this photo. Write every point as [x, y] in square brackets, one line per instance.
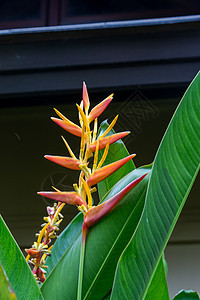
[66, 197]
[50, 210]
[67, 162]
[86, 102]
[98, 109]
[34, 253]
[96, 213]
[104, 172]
[68, 126]
[112, 139]
[40, 274]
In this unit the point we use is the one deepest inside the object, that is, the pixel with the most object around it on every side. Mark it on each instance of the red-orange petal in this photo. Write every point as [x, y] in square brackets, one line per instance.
[112, 139]
[96, 213]
[34, 253]
[68, 126]
[66, 197]
[106, 171]
[86, 102]
[98, 109]
[67, 162]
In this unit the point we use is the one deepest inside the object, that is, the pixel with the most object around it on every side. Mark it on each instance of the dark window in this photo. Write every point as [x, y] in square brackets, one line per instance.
[22, 13]
[107, 10]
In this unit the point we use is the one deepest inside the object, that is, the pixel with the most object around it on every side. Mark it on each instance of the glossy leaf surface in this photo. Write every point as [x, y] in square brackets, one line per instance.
[6, 292]
[187, 295]
[15, 266]
[158, 288]
[175, 168]
[116, 152]
[105, 242]
[64, 241]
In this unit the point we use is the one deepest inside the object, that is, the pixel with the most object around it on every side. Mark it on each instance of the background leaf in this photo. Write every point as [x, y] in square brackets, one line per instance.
[116, 151]
[174, 170]
[187, 295]
[105, 242]
[15, 266]
[6, 292]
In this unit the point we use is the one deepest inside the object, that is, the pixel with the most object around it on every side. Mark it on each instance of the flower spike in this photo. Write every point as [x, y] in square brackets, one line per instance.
[98, 109]
[112, 139]
[91, 171]
[68, 126]
[66, 197]
[96, 213]
[67, 162]
[104, 172]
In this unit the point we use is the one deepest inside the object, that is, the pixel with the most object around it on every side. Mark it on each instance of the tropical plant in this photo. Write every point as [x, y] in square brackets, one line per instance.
[113, 250]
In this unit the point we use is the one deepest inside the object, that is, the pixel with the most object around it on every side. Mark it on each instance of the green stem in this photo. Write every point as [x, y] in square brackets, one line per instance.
[81, 264]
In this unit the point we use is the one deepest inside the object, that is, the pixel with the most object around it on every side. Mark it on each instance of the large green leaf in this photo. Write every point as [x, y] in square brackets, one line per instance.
[15, 266]
[158, 288]
[116, 151]
[187, 295]
[6, 292]
[175, 168]
[64, 241]
[105, 242]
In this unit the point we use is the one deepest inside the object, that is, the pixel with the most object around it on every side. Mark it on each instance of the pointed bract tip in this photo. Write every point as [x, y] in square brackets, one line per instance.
[112, 139]
[104, 172]
[86, 101]
[66, 197]
[68, 126]
[98, 109]
[67, 162]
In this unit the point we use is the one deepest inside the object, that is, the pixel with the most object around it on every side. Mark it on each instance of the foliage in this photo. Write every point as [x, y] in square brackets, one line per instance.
[113, 250]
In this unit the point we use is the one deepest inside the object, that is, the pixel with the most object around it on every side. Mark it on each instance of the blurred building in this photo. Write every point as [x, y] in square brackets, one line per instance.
[145, 52]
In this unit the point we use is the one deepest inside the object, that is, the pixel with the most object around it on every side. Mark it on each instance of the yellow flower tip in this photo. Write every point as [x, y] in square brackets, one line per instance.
[59, 114]
[68, 126]
[57, 190]
[27, 257]
[87, 190]
[82, 209]
[83, 116]
[98, 109]
[112, 124]
[68, 147]
[67, 162]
